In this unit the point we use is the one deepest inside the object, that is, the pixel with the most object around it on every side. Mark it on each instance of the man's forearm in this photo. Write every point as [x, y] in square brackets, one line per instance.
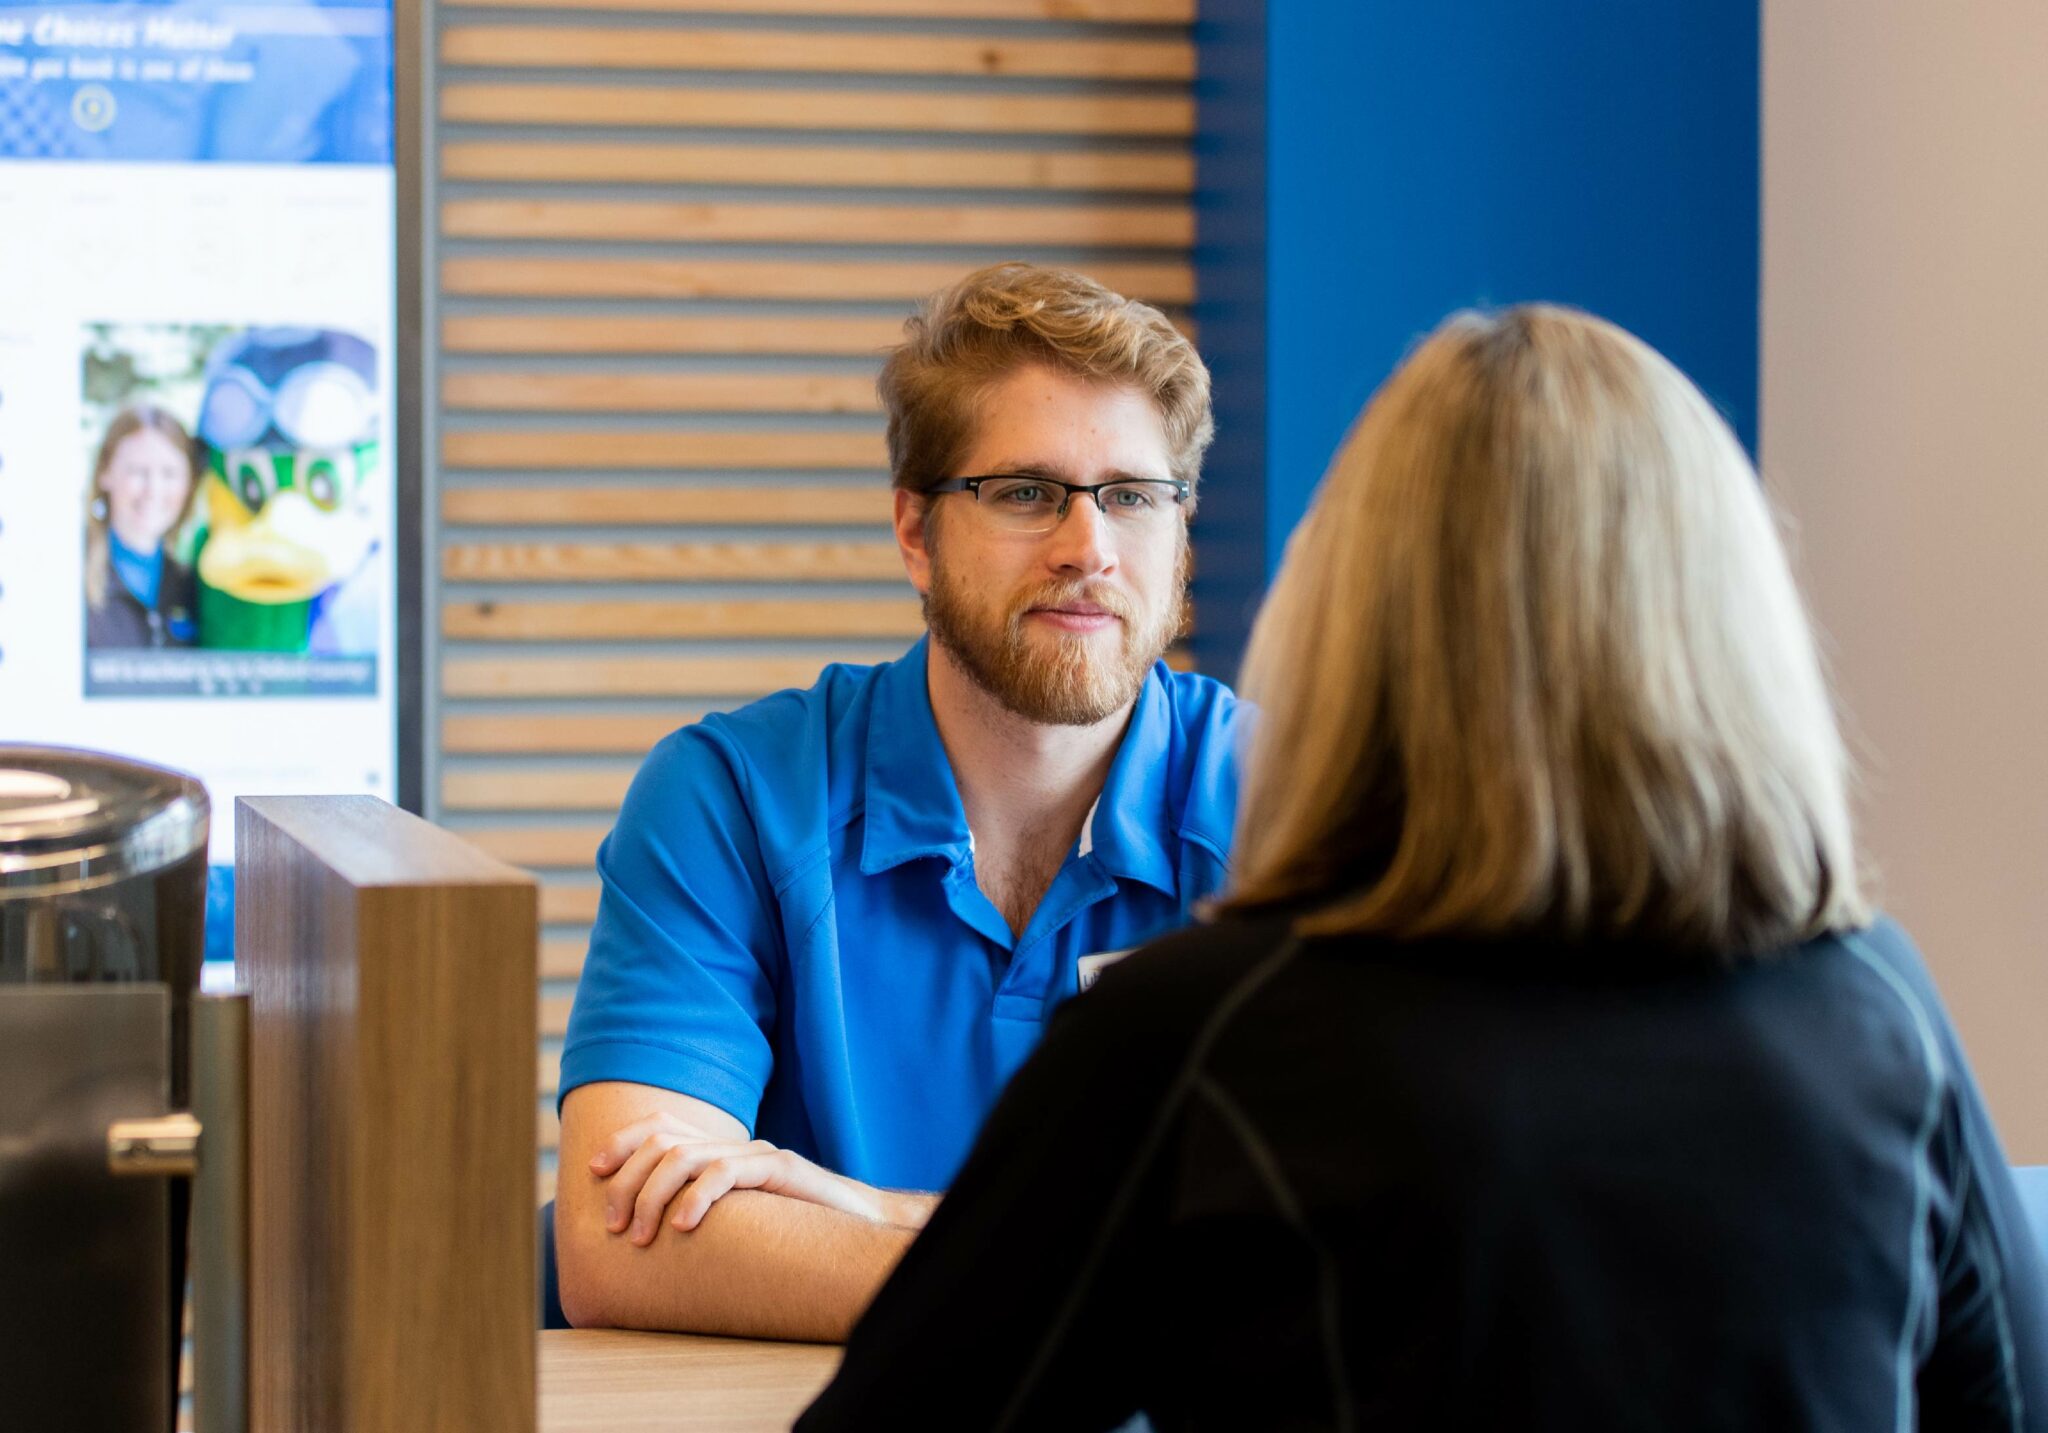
[759, 1266]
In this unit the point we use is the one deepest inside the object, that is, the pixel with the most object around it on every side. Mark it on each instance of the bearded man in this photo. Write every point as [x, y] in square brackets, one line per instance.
[835, 921]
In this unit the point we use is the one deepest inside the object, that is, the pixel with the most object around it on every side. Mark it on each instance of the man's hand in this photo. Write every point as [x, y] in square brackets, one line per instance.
[649, 1163]
[757, 1266]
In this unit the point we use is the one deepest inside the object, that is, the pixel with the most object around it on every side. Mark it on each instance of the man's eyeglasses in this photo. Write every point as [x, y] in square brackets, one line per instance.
[1017, 503]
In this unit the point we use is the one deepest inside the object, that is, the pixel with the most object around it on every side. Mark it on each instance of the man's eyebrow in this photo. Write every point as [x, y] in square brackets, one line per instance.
[1056, 474]
[1030, 470]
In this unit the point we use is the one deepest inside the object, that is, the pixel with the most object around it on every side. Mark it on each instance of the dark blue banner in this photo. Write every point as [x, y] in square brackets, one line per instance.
[297, 82]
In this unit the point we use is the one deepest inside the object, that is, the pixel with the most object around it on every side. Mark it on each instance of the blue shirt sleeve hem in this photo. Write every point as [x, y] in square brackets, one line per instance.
[686, 1072]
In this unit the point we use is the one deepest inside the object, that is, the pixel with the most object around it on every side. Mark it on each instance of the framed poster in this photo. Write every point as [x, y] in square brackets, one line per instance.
[205, 544]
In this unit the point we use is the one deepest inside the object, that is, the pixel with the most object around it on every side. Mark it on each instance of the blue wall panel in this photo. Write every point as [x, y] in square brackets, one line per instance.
[1230, 258]
[1419, 159]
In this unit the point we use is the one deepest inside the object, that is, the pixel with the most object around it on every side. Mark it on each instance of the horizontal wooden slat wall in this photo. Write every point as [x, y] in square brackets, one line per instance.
[673, 237]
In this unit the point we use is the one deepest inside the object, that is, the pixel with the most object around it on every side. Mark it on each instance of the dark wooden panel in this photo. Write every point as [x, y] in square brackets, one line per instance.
[432, 945]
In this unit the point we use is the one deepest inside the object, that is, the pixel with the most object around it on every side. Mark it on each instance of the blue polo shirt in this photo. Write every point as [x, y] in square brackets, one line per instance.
[790, 927]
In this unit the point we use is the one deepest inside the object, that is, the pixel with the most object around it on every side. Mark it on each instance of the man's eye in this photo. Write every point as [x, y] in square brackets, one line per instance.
[1135, 499]
[1023, 494]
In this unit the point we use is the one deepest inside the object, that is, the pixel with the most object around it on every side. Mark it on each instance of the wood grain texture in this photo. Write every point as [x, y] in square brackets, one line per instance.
[809, 505]
[827, 281]
[571, 846]
[553, 1013]
[481, 733]
[668, 47]
[606, 1381]
[568, 905]
[1124, 12]
[647, 621]
[671, 562]
[391, 983]
[1008, 226]
[836, 166]
[528, 788]
[838, 111]
[721, 676]
[510, 390]
[521, 449]
[562, 958]
[737, 334]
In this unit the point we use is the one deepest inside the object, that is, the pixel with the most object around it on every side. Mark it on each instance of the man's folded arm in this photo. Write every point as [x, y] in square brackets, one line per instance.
[759, 1265]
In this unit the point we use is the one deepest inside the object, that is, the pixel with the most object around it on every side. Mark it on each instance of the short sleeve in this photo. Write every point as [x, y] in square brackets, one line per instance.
[678, 990]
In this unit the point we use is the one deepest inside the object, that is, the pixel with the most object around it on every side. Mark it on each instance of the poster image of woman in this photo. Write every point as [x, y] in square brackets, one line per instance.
[137, 594]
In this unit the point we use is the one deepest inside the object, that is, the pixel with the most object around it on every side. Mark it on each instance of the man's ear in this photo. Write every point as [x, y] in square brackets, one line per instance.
[913, 538]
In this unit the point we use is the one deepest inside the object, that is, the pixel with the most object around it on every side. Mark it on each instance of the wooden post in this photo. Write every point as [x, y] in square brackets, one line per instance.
[391, 1131]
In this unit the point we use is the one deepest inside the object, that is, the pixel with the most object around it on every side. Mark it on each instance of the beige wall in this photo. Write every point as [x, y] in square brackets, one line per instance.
[1905, 424]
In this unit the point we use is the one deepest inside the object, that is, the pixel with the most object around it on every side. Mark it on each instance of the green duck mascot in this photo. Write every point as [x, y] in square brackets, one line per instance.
[288, 428]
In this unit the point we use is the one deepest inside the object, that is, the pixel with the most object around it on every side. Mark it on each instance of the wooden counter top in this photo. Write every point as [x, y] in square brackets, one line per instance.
[606, 1381]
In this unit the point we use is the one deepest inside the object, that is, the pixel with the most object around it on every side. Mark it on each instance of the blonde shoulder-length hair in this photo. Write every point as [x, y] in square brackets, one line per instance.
[1535, 663]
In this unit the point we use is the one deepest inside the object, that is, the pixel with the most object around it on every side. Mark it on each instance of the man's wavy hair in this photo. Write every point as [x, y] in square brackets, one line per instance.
[964, 339]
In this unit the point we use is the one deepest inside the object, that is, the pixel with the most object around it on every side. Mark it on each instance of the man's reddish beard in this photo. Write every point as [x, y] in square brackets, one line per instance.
[1053, 678]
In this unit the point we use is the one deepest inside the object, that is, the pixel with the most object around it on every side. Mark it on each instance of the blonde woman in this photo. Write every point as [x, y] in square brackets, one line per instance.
[1546, 1066]
[143, 489]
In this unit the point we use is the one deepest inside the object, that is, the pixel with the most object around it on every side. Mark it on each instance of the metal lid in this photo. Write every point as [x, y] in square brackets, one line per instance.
[71, 820]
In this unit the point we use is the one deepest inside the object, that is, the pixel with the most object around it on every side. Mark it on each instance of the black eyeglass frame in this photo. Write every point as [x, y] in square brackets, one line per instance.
[1182, 489]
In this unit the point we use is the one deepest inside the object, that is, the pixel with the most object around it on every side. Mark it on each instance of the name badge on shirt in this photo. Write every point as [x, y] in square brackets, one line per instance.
[1092, 966]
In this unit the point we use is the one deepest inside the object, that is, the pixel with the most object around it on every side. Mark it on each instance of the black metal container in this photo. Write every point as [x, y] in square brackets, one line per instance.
[102, 884]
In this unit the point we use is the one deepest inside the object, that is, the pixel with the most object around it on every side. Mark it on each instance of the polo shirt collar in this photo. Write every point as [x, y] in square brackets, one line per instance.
[913, 803]
[1132, 821]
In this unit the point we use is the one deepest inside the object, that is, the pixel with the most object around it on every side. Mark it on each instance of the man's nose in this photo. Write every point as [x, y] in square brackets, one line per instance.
[1082, 541]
